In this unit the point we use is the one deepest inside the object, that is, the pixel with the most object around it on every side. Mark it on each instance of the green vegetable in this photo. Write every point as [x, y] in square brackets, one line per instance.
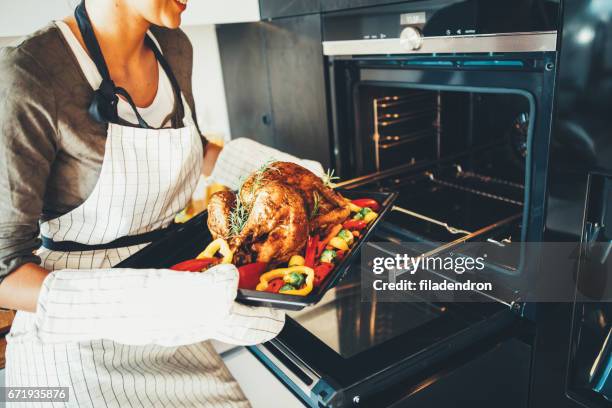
[328, 255]
[295, 279]
[347, 236]
[286, 287]
[365, 210]
[361, 214]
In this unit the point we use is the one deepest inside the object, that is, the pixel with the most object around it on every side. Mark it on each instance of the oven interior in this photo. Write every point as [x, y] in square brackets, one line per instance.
[459, 160]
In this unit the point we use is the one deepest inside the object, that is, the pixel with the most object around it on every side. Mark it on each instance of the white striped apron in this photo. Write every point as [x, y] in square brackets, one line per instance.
[147, 176]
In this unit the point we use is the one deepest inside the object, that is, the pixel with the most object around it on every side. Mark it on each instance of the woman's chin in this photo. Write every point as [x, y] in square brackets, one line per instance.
[171, 21]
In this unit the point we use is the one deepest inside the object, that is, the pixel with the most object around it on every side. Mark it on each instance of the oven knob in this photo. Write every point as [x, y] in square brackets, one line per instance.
[411, 38]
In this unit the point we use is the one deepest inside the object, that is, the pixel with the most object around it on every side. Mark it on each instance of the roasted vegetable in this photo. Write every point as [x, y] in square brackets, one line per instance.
[367, 202]
[328, 255]
[250, 273]
[286, 275]
[362, 214]
[332, 233]
[274, 285]
[286, 288]
[218, 245]
[297, 260]
[370, 216]
[195, 265]
[311, 251]
[354, 208]
[355, 224]
[321, 271]
[339, 243]
[347, 236]
[295, 279]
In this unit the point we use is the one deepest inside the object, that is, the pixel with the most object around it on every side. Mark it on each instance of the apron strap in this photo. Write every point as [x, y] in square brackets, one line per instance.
[103, 107]
[71, 246]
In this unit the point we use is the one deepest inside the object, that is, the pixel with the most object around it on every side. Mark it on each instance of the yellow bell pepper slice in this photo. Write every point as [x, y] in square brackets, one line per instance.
[369, 217]
[283, 273]
[339, 243]
[354, 208]
[297, 260]
[218, 245]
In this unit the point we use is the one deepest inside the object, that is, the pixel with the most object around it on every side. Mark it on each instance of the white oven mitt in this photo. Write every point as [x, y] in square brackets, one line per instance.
[150, 306]
[240, 157]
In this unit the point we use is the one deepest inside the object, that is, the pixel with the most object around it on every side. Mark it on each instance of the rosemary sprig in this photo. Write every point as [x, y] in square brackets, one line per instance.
[240, 213]
[315, 205]
[260, 173]
[238, 218]
[328, 178]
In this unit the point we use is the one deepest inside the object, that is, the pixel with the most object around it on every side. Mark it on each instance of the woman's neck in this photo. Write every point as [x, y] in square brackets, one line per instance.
[119, 30]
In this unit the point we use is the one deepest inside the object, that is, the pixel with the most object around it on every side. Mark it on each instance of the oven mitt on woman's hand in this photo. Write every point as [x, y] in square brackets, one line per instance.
[150, 306]
[240, 157]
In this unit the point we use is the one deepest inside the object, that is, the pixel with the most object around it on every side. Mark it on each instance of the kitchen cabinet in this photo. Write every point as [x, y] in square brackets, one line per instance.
[284, 8]
[297, 86]
[333, 5]
[274, 75]
[245, 77]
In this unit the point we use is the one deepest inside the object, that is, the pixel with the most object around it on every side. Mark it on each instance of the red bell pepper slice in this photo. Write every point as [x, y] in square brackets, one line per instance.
[367, 202]
[357, 225]
[250, 273]
[321, 271]
[311, 251]
[195, 265]
[274, 285]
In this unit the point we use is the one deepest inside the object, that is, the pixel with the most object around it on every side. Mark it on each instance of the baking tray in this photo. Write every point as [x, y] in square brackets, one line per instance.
[186, 241]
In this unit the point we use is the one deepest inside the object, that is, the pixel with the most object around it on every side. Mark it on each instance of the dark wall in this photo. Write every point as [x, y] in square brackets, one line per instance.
[285, 8]
[274, 78]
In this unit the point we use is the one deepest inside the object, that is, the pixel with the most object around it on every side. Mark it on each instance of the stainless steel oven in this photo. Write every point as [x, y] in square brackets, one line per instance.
[442, 102]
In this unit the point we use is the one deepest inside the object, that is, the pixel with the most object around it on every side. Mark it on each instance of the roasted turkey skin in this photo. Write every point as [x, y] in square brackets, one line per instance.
[282, 204]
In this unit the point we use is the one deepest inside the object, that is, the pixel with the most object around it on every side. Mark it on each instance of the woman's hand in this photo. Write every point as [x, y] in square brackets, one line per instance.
[149, 306]
[20, 289]
[240, 157]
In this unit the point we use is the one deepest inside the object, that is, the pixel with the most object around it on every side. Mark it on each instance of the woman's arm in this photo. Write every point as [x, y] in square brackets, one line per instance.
[20, 289]
[28, 145]
[211, 153]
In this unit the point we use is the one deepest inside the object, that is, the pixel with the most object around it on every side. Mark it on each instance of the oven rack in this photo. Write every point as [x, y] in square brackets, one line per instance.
[454, 181]
[458, 231]
[486, 179]
[457, 186]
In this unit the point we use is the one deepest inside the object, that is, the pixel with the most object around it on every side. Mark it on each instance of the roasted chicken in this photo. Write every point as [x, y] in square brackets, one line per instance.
[270, 218]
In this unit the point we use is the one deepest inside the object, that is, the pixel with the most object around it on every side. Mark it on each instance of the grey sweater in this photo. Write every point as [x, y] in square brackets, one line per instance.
[51, 151]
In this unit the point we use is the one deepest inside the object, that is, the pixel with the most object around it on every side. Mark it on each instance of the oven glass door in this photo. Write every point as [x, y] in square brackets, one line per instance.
[348, 341]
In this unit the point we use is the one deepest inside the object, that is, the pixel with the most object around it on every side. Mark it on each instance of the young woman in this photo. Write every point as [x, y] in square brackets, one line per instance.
[99, 149]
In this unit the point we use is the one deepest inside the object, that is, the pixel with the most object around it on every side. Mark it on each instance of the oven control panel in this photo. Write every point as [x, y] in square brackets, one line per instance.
[443, 27]
[411, 21]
